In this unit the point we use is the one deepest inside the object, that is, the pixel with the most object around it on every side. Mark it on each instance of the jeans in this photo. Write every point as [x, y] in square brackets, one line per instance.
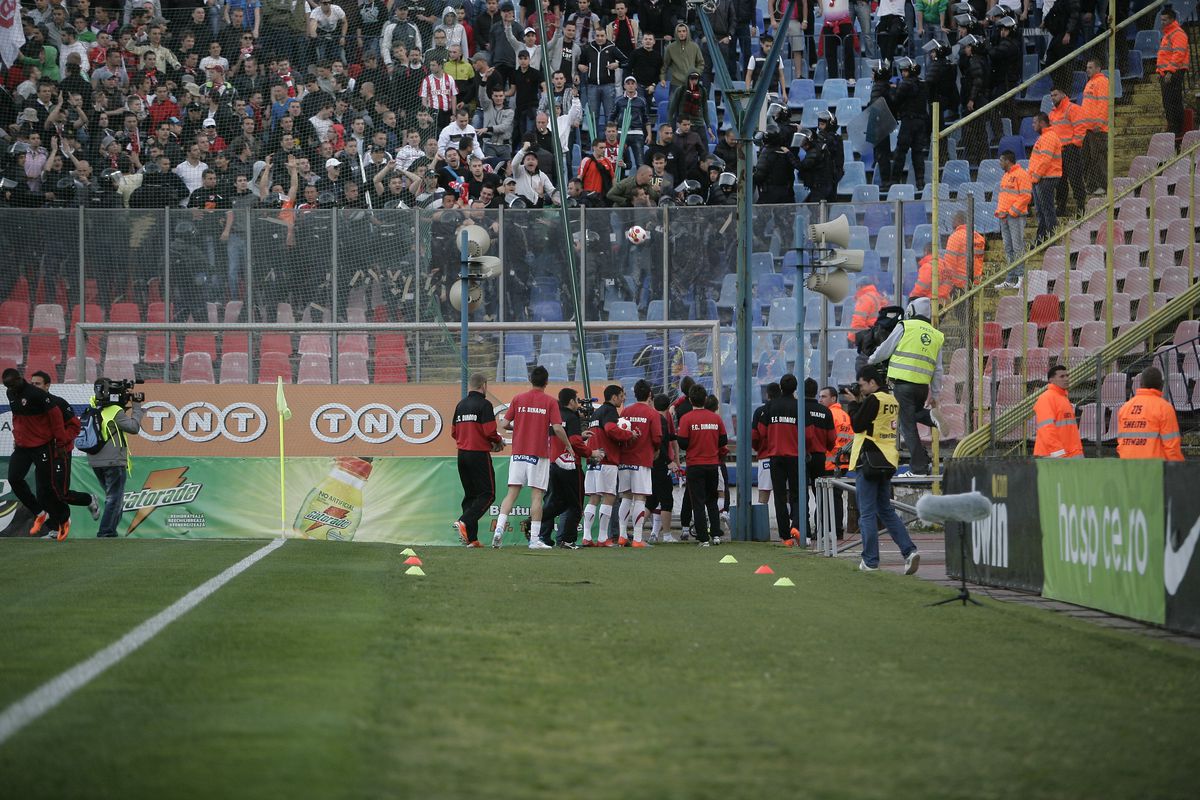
[112, 481]
[598, 98]
[741, 39]
[860, 10]
[1043, 198]
[874, 504]
[1012, 231]
[912, 397]
[235, 249]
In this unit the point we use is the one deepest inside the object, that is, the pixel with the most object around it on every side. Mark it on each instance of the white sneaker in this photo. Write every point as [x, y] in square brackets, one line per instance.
[653, 538]
[496, 539]
[94, 507]
[862, 567]
[668, 539]
[912, 563]
[538, 544]
[704, 544]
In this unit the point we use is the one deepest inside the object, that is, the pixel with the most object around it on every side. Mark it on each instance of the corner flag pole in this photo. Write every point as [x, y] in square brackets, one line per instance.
[285, 414]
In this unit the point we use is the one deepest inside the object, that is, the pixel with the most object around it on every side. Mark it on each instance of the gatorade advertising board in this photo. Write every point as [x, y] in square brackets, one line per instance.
[1102, 534]
[1181, 564]
[1006, 548]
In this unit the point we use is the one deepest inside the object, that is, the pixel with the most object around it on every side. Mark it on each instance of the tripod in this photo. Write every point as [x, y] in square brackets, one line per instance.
[964, 595]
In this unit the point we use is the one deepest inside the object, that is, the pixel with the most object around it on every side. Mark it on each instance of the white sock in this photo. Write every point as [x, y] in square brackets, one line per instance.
[535, 531]
[623, 515]
[501, 521]
[605, 518]
[655, 524]
[639, 518]
[589, 516]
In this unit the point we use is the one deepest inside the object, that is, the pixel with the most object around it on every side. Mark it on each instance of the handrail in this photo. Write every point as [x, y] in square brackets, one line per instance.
[1066, 230]
[1062, 62]
[972, 444]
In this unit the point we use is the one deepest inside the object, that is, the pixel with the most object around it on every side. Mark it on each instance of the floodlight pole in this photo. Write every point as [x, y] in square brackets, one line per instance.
[745, 116]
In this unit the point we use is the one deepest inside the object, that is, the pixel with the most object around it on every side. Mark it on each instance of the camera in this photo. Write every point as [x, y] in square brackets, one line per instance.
[119, 392]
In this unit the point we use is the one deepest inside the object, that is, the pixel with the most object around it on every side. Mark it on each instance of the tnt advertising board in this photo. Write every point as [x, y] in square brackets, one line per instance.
[1006, 548]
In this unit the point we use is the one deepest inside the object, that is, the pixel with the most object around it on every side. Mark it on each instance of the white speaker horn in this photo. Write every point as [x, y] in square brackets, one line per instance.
[849, 260]
[478, 240]
[835, 233]
[485, 266]
[833, 284]
[474, 295]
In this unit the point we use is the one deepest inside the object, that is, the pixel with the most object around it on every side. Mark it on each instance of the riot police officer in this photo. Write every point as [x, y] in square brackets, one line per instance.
[816, 170]
[975, 70]
[942, 81]
[881, 89]
[912, 110]
[827, 131]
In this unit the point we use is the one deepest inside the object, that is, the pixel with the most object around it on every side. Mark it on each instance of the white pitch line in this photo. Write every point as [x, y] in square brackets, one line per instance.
[50, 694]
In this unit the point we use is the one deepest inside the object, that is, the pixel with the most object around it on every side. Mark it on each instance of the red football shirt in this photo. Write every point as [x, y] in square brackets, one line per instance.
[531, 414]
[703, 430]
[640, 451]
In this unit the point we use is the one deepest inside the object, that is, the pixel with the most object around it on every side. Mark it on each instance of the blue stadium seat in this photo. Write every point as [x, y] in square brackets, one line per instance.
[860, 237]
[657, 310]
[849, 209]
[916, 214]
[547, 311]
[847, 108]
[597, 367]
[922, 235]
[956, 172]
[1118, 85]
[808, 117]
[767, 287]
[1027, 134]
[865, 193]
[1029, 66]
[862, 89]
[1036, 91]
[771, 368]
[1147, 43]
[556, 365]
[856, 173]
[622, 311]
[885, 242]
[515, 368]
[556, 343]
[1078, 81]
[834, 89]
[1133, 66]
[728, 296]
[876, 216]
[902, 191]
[761, 264]
[1014, 143]
[801, 89]
[519, 344]
[990, 172]
[783, 314]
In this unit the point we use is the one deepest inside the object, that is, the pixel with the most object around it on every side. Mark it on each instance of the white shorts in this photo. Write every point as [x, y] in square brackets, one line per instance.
[764, 475]
[529, 471]
[635, 479]
[600, 479]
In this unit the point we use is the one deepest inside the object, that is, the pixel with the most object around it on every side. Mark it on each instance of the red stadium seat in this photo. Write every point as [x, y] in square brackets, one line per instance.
[1044, 310]
[12, 345]
[391, 369]
[197, 368]
[273, 365]
[235, 368]
[45, 347]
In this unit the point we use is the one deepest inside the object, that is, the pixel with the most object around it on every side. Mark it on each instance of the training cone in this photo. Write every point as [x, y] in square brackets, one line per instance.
[764, 570]
[408, 551]
[728, 560]
[414, 570]
[780, 582]
[413, 561]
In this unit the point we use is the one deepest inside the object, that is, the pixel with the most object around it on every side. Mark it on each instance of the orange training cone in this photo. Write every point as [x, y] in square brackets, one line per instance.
[764, 570]
[413, 561]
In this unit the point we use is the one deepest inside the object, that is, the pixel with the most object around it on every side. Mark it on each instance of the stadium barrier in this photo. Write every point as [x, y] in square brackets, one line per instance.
[1110, 534]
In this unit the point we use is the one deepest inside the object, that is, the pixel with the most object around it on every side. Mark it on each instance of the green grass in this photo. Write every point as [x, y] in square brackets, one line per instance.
[324, 672]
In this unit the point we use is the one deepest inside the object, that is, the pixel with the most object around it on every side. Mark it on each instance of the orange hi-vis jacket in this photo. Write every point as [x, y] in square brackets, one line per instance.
[1094, 108]
[867, 302]
[1046, 159]
[924, 287]
[1173, 49]
[1147, 428]
[1066, 120]
[1016, 192]
[953, 262]
[1057, 431]
[845, 435]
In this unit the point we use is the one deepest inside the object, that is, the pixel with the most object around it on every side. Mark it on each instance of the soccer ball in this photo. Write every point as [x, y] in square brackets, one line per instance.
[624, 424]
[637, 235]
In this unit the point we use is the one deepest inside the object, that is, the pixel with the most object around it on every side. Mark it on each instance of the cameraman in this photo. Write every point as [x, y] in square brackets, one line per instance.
[118, 418]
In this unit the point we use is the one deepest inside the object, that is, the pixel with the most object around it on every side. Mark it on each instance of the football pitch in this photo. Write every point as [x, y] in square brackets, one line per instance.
[323, 671]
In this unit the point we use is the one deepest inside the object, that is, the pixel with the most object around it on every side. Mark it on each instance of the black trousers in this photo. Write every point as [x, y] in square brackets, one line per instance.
[785, 486]
[565, 498]
[912, 137]
[62, 483]
[1072, 163]
[702, 488]
[48, 473]
[479, 488]
[19, 463]
[662, 497]
[1172, 97]
[1095, 160]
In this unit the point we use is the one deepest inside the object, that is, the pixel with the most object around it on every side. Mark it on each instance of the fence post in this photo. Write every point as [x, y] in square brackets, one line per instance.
[333, 267]
[167, 315]
[993, 392]
[1099, 405]
[81, 359]
[248, 268]
[418, 290]
[935, 208]
[899, 254]
[1151, 261]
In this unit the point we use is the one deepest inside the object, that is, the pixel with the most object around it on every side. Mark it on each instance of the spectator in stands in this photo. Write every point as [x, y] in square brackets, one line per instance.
[639, 120]
[1057, 431]
[914, 355]
[586, 22]
[837, 35]
[755, 65]
[327, 27]
[1146, 424]
[438, 93]
[1094, 121]
[723, 20]
[622, 193]
[495, 127]
[533, 185]
[874, 458]
[891, 33]
[600, 63]
[1012, 209]
[1060, 19]
[681, 59]
[1065, 119]
[1172, 66]
[1045, 171]
[689, 101]
[954, 265]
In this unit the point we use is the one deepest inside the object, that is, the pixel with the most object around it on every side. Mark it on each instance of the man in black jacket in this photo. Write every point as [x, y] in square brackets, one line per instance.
[62, 466]
[820, 435]
[816, 170]
[973, 64]
[911, 110]
[565, 496]
[474, 431]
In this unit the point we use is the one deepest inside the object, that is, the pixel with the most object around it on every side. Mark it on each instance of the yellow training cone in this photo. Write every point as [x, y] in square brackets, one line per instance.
[408, 551]
[415, 571]
[728, 560]
[780, 582]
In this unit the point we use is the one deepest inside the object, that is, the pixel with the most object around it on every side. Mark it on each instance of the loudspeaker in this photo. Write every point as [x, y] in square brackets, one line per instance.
[488, 266]
[849, 260]
[833, 283]
[478, 240]
[835, 233]
[474, 295]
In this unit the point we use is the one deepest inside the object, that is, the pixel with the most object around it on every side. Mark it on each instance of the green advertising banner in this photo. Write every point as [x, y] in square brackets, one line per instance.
[398, 500]
[1102, 534]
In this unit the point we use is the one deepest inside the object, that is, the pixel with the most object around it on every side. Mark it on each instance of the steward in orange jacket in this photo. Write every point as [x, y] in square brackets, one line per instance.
[953, 262]
[1093, 119]
[845, 435]
[1057, 430]
[1172, 67]
[924, 287]
[1046, 159]
[867, 302]
[1146, 424]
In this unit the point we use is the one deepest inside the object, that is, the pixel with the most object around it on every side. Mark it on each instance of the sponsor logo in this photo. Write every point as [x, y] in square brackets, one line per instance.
[1177, 559]
[376, 423]
[1116, 539]
[332, 516]
[163, 487]
[201, 422]
[989, 537]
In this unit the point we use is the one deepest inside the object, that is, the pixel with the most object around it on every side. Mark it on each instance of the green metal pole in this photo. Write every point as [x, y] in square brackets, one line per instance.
[1111, 248]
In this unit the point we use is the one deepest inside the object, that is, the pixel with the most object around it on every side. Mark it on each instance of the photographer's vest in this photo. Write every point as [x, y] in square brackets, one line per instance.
[916, 354]
[882, 431]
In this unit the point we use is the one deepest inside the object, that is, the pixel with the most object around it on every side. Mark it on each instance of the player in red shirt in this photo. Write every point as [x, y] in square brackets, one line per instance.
[702, 434]
[637, 456]
[758, 441]
[666, 462]
[601, 479]
[533, 416]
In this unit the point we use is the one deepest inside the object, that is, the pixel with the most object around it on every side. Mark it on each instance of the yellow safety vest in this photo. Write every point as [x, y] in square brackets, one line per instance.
[882, 431]
[109, 430]
[916, 354]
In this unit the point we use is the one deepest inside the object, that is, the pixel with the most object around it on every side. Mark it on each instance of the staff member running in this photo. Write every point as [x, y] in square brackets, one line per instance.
[474, 432]
[637, 456]
[533, 416]
[38, 436]
[702, 434]
[62, 467]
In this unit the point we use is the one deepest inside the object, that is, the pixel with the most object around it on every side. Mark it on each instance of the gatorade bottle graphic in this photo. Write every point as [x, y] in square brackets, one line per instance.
[333, 508]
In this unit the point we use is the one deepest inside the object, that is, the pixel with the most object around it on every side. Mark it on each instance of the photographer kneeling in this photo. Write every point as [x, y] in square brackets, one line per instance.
[120, 414]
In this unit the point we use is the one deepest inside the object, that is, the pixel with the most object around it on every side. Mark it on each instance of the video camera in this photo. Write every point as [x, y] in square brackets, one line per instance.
[119, 392]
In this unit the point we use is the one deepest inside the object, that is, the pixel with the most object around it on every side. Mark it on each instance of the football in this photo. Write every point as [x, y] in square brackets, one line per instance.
[624, 424]
[637, 235]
